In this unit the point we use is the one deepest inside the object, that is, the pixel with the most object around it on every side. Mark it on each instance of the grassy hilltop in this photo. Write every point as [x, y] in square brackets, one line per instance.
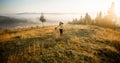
[79, 44]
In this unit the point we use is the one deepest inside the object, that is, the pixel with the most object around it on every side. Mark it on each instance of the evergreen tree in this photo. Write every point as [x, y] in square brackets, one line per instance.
[111, 12]
[107, 20]
[110, 18]
[99, 19]
[87, 19]
[42, 19]
[81, 20]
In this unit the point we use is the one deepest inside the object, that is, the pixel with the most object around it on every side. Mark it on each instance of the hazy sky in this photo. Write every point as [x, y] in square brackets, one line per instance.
[53, 6]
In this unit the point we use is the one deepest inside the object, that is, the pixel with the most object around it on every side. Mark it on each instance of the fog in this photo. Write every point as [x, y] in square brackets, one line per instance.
[31, 20]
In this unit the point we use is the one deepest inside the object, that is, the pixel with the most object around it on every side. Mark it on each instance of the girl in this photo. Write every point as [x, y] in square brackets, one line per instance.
[60, 27]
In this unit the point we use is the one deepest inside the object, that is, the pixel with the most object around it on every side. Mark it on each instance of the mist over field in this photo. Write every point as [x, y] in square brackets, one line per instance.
[31, 20]
[20, 20]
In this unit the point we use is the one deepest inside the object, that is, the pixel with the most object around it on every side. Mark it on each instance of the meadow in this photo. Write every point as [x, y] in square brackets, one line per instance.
[79, 44]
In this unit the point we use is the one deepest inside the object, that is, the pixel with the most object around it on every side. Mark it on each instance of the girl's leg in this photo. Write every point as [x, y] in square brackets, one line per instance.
[61, 32]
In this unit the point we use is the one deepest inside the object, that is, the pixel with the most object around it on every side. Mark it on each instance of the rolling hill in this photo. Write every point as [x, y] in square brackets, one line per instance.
[79, 44]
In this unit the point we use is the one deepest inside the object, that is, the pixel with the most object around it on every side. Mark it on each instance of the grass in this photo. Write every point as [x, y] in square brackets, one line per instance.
[79, 44]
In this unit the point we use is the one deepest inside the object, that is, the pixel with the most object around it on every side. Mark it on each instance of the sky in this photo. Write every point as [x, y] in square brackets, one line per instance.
[57, 6]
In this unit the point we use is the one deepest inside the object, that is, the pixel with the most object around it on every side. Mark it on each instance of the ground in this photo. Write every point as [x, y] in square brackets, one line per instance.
[79, 44]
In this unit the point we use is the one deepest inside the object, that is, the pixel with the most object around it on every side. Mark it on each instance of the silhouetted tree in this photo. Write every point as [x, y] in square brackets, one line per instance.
[111, 12]
[110, 18]
[81, 20]
[87, 19]
[42, 19]
[75, 21]
[104, 21]
[107, 20]
[99, 19]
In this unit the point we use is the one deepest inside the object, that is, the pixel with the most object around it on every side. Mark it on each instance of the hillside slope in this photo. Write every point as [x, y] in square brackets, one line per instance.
[79, 44]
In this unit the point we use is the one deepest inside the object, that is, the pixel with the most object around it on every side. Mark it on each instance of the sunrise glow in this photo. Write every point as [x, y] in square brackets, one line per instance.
[53, 6]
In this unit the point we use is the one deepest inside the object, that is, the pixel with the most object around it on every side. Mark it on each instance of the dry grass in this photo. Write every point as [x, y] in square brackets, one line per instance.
[79, 44]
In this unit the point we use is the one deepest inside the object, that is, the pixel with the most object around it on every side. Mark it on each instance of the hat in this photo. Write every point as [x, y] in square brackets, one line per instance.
[61, 22]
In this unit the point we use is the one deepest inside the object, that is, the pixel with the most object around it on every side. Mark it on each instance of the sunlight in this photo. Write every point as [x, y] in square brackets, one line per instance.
[117, 9]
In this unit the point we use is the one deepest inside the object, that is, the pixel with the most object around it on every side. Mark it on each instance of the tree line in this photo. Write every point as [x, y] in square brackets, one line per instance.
[108, 20]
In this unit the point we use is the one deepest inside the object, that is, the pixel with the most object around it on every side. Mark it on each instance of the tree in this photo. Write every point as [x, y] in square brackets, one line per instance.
[81, 20]
[99, 19]
[110, 18]
[107, 20]
[42, 19]
[87, 19]
[111, 12]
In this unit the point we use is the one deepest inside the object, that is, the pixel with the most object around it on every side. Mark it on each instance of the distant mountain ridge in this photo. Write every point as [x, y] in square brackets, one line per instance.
[46, 13]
